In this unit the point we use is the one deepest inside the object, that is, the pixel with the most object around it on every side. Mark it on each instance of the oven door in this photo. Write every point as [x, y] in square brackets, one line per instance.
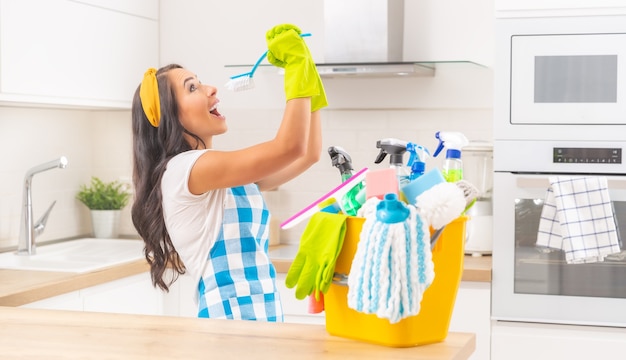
[535, 285]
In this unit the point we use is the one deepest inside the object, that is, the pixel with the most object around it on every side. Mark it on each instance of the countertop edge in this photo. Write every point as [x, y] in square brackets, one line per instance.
[475, 268]
[25, 287]
[92, 333]
[57, 283]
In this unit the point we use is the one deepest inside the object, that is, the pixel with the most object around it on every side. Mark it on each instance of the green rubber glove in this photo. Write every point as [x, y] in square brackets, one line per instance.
[287, 49]
[320, 244]
[318, 101]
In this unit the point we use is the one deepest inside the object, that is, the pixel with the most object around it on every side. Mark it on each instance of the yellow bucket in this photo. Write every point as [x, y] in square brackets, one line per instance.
[432, 322]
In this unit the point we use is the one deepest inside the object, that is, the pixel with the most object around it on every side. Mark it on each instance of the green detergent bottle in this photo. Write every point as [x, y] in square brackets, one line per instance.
[353, 199]
[452, 168]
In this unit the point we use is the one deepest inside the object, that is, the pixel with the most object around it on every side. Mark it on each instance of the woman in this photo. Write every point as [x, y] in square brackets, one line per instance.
[199, 210]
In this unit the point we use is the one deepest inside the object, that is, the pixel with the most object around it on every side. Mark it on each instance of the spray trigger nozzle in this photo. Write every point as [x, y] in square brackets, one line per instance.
[454, 141]
[394, 147]
[414, 156]
[340, 158]
[440, 146]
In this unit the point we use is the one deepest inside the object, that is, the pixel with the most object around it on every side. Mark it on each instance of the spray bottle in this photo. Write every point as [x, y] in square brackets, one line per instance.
[354, 198]
[396, 149]
[452, 169]
[418, 154]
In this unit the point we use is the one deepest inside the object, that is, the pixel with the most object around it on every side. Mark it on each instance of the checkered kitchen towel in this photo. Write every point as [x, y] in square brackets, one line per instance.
[577, 217]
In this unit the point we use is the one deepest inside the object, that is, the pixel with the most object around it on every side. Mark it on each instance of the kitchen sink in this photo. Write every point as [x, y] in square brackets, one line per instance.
[77, 256]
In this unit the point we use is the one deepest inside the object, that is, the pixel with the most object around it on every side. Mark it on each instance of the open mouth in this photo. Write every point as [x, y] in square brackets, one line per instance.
[214, 111]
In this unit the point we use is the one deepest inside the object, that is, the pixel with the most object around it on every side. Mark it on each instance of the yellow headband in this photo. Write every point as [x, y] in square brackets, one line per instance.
[149, 95]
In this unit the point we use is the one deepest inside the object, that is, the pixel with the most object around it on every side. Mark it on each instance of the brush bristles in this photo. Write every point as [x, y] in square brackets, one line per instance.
[240, 84]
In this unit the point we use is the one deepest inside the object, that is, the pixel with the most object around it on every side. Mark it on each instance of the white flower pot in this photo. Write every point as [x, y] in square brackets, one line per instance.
[105, 223]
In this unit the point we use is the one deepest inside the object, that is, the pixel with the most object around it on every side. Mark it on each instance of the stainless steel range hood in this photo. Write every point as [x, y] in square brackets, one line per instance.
[376, 69]
[365, 38]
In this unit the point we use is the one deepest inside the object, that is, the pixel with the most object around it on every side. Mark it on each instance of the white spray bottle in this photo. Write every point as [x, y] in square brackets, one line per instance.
[396, 149]
[452, 168]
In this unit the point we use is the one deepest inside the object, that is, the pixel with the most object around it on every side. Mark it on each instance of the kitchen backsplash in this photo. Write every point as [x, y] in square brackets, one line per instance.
[99, 143]
[95, 143]
[357, 132]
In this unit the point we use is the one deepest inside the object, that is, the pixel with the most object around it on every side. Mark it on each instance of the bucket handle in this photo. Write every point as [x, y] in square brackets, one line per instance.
[340, 279]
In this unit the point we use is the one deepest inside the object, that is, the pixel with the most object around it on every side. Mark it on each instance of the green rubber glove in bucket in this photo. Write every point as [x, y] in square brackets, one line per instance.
[287, 49]
[320, 244]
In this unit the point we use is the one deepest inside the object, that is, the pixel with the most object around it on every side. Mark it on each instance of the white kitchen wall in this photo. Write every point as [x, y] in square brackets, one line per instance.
[206, 35]
[95, 143]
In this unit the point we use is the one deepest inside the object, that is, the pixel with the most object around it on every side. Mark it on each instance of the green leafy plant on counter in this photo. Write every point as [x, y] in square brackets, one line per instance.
[101, 195]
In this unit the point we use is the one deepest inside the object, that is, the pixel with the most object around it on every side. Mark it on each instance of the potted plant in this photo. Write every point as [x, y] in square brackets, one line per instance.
[105, 200]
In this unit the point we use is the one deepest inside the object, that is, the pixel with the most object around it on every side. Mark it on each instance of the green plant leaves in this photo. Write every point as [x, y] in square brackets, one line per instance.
[101, 195]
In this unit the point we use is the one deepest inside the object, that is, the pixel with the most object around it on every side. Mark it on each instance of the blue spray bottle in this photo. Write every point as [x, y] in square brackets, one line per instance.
[354, 198]
[417, 155]
[452, 168]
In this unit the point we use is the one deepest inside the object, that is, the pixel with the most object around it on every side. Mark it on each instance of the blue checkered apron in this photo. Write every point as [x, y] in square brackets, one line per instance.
[239, 281]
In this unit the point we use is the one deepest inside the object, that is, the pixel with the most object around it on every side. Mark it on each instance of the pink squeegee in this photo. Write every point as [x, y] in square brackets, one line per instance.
[336, 193]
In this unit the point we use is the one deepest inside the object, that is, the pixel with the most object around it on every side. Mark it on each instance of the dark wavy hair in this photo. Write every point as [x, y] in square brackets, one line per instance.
[152, 149]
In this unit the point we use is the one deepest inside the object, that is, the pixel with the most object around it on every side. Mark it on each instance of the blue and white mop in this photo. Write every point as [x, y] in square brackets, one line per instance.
[393, 264]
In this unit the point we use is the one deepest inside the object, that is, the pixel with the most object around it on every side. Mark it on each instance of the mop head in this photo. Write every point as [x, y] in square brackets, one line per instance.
[392, 266]
[368, 208]
[441, 204]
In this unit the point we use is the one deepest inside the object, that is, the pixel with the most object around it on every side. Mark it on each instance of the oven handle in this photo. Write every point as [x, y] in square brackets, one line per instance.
[543, 182]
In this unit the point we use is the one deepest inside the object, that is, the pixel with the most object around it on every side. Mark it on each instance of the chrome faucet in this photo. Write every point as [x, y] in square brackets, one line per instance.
[28, 231]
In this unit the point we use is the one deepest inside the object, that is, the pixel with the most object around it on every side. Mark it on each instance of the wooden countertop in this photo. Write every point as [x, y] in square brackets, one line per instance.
[475, 268]
[21, 287]
[41, 334]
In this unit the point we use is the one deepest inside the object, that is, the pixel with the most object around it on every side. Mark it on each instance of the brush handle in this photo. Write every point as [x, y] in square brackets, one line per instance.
[259, 61]
[337, 192]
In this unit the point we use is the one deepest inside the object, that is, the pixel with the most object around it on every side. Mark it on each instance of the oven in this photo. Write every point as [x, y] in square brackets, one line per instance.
[559, 110]
[534, 283]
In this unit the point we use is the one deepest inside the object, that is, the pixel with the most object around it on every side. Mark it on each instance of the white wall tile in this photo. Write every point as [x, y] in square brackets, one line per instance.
[95, 143]
[361, 111]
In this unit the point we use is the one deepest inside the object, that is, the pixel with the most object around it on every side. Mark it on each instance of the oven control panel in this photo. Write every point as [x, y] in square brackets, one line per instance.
[587, 155]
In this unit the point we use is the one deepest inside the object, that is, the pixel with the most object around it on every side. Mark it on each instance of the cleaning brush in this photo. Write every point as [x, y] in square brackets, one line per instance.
[244, 81]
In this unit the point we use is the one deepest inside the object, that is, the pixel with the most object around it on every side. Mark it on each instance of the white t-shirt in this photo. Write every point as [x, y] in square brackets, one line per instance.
[193, 221]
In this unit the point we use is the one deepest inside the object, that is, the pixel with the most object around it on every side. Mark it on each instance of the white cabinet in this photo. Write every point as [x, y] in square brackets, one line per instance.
[472, 313]
[130, 295]
[540, 8]
[517, 341]
[296, 311]
[73, 54]
[180, 300]
[145, 8]
[69, 301]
